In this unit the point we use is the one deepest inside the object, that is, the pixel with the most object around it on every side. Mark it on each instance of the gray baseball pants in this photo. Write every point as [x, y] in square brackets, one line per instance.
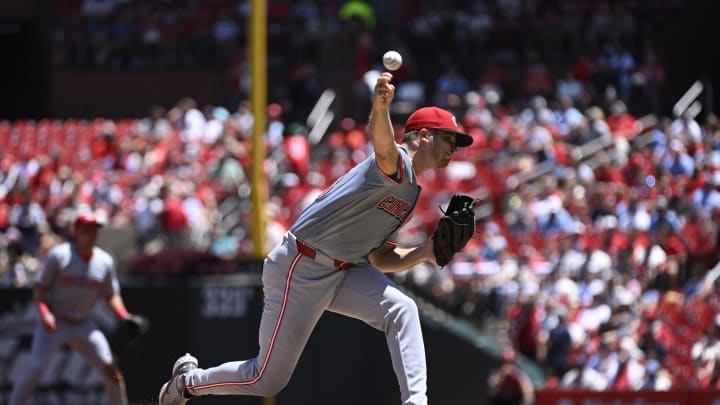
[297, 291]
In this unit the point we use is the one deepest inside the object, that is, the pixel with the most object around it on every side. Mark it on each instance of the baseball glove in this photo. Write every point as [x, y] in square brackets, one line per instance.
[454, 229]
[136, 326]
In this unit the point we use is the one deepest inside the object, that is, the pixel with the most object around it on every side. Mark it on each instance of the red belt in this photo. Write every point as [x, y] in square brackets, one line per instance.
[313, 254]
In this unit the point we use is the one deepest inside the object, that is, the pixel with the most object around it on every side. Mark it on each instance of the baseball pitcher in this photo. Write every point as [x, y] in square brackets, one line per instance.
[333, 258]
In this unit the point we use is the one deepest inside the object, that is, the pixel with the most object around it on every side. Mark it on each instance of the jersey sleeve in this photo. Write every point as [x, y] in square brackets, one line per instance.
[111, 284]
[400, 175]
[392, 240]
[49, 270]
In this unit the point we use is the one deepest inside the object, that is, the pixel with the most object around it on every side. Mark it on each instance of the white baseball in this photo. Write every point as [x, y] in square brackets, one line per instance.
[392, 60]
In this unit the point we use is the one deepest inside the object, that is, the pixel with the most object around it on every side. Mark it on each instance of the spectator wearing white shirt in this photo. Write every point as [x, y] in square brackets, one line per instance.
[707, 197]
[687, 129]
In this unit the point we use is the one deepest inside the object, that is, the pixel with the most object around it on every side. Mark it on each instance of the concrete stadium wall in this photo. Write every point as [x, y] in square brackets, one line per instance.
[216, 319]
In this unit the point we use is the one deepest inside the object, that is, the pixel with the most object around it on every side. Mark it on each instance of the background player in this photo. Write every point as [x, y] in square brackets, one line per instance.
[74, 276]
[329, 260]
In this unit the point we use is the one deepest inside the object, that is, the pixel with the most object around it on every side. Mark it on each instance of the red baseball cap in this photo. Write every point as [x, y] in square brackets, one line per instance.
[88, 218]
[437, 118]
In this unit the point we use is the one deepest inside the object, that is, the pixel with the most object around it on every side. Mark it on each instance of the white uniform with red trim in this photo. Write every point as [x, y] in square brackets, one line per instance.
[73, 286]
[304, 276]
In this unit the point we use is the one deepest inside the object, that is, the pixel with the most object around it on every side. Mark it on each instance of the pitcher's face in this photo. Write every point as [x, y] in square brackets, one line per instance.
[443, 147]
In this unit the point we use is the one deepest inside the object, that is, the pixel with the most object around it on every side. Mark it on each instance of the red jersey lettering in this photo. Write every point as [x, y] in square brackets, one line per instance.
[396, 207]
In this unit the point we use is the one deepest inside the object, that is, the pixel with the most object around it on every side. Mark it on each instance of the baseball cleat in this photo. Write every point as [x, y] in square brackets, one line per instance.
[172, 391]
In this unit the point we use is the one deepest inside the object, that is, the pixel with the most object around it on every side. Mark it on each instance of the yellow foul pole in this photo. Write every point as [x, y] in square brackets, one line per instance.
[258, 99]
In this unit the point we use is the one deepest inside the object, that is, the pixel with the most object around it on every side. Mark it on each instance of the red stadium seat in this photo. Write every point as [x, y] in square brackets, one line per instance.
[123, 127]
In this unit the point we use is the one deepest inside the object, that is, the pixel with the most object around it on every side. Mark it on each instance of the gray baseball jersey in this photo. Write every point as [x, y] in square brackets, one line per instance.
[356, 215]
[74, 285]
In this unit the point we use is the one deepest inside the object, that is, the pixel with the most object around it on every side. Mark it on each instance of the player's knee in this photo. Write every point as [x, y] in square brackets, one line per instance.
[34, 373]
[36, 369]
[274, 390]
[406, 307]
[402, 310]
[272, 386]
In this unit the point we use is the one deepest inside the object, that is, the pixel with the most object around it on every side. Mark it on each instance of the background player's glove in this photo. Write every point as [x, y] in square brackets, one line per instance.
[136, 326]
[454, 229]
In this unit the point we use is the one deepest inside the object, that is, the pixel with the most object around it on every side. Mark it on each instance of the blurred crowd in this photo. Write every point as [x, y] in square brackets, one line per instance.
[593, 238]
[599, 218]
[599, 266]
[518, 48]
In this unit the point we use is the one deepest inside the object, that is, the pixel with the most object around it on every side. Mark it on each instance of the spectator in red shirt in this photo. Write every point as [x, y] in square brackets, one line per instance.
[700, 234]
[525, 326]
[607, 171]
[173, 218]
[621, 123]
